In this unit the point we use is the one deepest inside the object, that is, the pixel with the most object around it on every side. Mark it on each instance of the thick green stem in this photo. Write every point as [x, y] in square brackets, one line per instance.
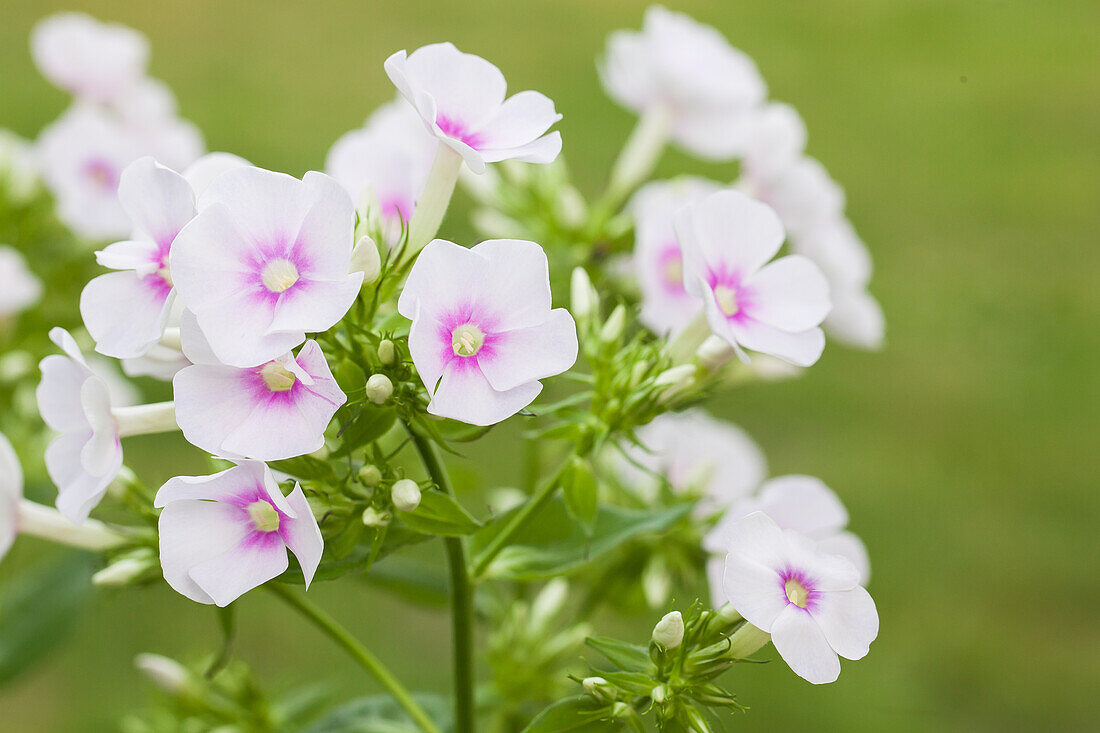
[360, 653]
[462, 612]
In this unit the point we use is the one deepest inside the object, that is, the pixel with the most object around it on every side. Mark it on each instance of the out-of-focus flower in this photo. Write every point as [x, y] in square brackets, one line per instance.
[810, 601]
[856, 318]
[87, 455]
[269, 412]
[265, 261]
[18, 168]
[775, 308]
[11, 494]
[225, 534]
[82, 155]
[689, 76]
[802, 193]
[800, 503]
[206, 169]
[696, 454]
[21, 288]
[461, 99]
[658, 264]
[101, 62]
[385, 164]
[483, 331]
[126, 311]
[775, 139]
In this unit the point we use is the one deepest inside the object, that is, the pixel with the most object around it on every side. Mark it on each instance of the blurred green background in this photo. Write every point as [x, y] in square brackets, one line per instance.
[965, 134]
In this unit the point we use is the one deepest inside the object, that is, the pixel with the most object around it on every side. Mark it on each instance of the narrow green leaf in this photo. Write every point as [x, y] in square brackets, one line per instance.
[581, 493]
[306, 468]
[623, 655]
[574, 714]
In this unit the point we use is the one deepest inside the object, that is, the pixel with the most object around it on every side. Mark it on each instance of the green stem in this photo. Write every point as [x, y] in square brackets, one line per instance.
[501, 540]
[461, 596]
[360, 653]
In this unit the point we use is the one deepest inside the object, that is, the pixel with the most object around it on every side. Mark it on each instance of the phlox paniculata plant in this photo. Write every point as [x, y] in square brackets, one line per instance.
[327, 351]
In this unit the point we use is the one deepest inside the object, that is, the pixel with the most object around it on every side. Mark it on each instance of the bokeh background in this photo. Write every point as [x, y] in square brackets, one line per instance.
[965, 134]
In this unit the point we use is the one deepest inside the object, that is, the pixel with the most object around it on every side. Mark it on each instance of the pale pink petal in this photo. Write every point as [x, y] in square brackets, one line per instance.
[856, 319]
[521, 119]
[315, 305]
[527, 354]
[268, 206]
[326, 235]
[302, 535]
[544, 150]
[143, 256]
[430, 347]
[727, 229]
[790, 294]
[203, 171]
[211, 403]
[158, 200]
[78, 491]
[238, 330]
[194, 532]
[516, 274]
[825, 572]
[757, 538]
[464, 394]
[802, 644]
[849, 621]
[754, 590]
[258, 558]
[210, 258]
[98, 454]
[851, 548]
[58, 393]
[466, 88]
[804, 504]
[442, 276]
[125, 313]
[801, 349]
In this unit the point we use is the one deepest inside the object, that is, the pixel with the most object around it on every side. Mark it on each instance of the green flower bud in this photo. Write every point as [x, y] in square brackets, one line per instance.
[387, 353]
[614, 325]
[374, 518]
[370, 475]
[365, 259]
[379, 388]
[406, 495]
[669, 631]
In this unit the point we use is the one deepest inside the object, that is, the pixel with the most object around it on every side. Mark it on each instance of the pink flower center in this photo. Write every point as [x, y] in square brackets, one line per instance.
[727, 300]
[277, 378]
[102, 174]
[733, 298]
[279, 275]
[671, 266]
[799, 589]
[457, 130]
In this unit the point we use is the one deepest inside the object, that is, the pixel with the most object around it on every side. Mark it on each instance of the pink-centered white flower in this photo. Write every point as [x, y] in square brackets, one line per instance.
[21, 288]
[658, 263]
[225, 534]
[76, 403]
[277, 410]
[686, 75]
[82, 155]
[809, 601]
[800, 503]
[727, 240]
[698, 456]
[265, 261]
[385, 163]
[460, 98]
[101, 62]
[483, 331]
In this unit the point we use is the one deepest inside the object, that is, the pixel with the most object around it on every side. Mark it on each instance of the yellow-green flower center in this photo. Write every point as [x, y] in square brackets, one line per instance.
[466, 340]
[673, 271]
[727, 300]
[279, 275]
[277, 377]
[264, 517]
[796, 592]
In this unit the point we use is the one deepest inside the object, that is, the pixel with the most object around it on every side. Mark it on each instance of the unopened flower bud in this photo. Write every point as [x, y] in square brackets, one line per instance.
[659, 695]
[598, 688]
[406, 495]
[123, 571]
[387, 353]
[167, 674]
[365, 259]
[583, 300]
[374, 518]
[379, 388]
[620, 711]
[370, 475]
[713, 354]
[674, 381]
[669, 631]
[747, 640]
[726, 616]
[613, 327]
[572, 209]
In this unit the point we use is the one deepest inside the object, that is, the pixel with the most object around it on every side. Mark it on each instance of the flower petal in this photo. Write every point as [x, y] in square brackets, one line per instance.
[528, 354]
[804, 504]
[125, 313]
[802, 644]
[326, 235]
[269, 206]
[851, 548]
[193, 532]
[522, 118]
[158, 200]
[543, 150]
[849, 621]
[790, 294]
[442, 276]
[258, 558]
[315, 305]
[801, 349]
[729, 229]
[302, 535]
[754, 590]
[467, 89]
[465, 394]
[516, 282]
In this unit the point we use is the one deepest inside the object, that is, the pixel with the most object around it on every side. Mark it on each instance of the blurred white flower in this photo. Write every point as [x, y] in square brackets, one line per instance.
[460, 98]
[21, 288]
[100, 62]
[775, 138]
[688, 76]
[809, 601]
[658, 263]
[727, 240]
[385, 164]
[483, 331]
[266, 260]
[11, 494]
[801, 193]
[225, 534]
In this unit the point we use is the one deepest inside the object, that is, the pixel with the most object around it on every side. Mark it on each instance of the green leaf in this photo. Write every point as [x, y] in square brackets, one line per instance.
[381, 714]
[397, 536]
[369, 424]
[574, 714]
[440, 514]
[306, 468]
[581, 494]
[550, 543]
[623, 655]
[39, 608]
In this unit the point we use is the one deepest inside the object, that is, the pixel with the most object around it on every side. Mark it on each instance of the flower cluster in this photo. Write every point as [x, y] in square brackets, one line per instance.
[322, 346]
